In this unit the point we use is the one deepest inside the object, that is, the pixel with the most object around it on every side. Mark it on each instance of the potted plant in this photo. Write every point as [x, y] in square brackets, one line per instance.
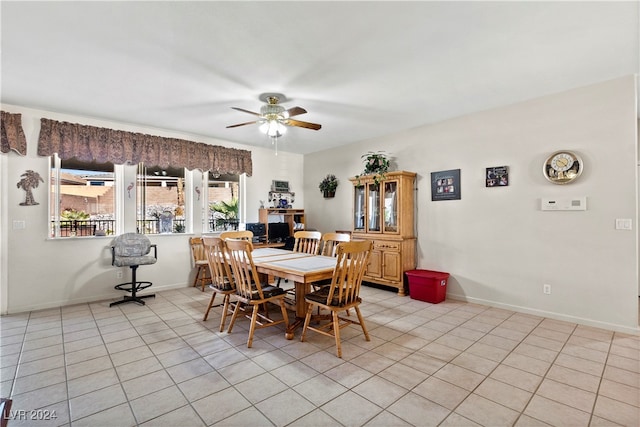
[328, 186]
[376, 163]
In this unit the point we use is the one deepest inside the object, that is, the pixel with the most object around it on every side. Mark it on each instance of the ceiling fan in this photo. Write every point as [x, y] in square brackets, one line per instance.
[273, 117]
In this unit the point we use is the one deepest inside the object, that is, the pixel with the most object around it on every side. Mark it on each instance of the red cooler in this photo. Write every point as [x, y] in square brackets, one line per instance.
[427, 285]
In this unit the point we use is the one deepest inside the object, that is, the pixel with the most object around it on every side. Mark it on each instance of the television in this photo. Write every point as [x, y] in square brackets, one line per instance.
[278, 231]
[259, 231]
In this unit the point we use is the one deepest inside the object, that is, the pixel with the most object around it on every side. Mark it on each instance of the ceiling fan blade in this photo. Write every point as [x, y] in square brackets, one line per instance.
[302, 124]
[243, 124]
[246, 111]
[295, 111]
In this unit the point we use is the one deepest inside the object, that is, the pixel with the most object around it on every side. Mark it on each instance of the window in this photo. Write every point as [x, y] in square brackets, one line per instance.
[160, 200]
[82, 200]
[87, 198]
[223, 202]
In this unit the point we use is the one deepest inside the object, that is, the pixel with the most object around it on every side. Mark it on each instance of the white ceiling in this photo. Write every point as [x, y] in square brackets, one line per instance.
[361, 69]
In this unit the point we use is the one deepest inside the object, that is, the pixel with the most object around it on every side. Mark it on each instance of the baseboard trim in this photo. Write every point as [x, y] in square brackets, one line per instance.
[107, 297]
[548, 314]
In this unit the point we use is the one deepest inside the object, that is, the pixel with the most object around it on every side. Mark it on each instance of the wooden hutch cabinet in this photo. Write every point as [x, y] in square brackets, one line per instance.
[384, 213]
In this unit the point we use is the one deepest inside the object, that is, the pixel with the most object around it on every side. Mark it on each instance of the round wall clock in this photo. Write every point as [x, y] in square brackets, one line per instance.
[562, 167]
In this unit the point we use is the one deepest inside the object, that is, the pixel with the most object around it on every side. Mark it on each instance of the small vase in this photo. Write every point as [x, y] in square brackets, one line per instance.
[329, 194]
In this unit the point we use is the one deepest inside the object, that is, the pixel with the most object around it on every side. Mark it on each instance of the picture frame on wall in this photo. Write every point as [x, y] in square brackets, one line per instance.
[445, 185]
[497, 176]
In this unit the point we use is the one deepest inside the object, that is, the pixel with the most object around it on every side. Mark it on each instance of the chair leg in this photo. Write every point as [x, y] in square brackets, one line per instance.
[252, 327]
[225, 309]
[336, 332]
[201, 277]
[206, 313]
[236, 311]
[307, 319]
[361, 320]
[129, 298]
[195, 279]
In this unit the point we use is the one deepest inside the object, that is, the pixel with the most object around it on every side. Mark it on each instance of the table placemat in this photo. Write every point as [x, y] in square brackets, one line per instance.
[262, 252]
[311, 263]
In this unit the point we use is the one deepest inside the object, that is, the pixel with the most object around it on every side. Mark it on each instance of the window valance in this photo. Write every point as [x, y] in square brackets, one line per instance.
[12, 135]
[90, 143]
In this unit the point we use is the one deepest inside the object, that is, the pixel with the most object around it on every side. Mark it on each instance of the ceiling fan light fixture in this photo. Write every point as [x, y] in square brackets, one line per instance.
[271, 110]
[273, 118]
[273, 128]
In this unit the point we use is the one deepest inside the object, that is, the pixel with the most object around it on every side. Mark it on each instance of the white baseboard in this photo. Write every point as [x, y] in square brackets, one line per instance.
[109, 296]
[551, 315]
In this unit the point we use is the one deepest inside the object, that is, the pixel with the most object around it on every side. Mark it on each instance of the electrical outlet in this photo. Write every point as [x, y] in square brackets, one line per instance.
[546, 289]
[119, 274]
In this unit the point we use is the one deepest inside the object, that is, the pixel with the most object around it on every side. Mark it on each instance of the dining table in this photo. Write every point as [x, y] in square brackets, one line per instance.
[302, 269]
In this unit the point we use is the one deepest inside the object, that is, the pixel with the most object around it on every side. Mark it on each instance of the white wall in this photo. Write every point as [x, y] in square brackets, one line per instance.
[40, 273]
[498, 245]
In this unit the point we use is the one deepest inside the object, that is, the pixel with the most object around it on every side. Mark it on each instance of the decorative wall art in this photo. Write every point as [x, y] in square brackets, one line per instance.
[497, 176]
[445, 185]
[29, 181]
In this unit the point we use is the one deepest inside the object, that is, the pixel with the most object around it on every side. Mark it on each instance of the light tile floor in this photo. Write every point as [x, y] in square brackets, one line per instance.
[448, 364]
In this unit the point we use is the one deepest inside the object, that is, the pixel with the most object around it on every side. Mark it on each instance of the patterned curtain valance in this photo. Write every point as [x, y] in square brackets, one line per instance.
[89, 143]
[12, 134]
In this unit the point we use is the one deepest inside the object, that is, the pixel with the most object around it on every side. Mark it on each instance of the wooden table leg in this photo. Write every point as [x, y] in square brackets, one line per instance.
[301, 290]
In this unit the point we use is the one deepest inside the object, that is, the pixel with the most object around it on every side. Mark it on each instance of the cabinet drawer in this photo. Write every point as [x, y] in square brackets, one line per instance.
[384, 245]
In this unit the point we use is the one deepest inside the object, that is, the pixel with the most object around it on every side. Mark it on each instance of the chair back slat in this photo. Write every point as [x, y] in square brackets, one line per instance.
[244, 273]
[197, 249]
[240, 234]
[215, 253]
[307, 242]
[347, 276]
[330, 242]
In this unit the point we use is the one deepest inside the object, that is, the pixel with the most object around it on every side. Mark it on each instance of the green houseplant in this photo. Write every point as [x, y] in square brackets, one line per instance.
[328, 185]
[376, 163]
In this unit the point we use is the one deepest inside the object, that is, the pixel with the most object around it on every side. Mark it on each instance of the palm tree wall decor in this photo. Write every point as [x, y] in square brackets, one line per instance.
[29, 181]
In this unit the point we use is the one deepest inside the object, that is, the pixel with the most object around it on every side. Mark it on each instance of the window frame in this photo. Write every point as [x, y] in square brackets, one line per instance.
[54, 230]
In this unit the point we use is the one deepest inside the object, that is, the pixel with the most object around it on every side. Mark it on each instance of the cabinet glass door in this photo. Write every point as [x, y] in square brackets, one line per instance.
[373, 191]
[359, 208]
[391, 207]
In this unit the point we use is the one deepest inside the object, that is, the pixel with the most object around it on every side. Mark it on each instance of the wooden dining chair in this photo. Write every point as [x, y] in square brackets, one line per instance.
[240, 234]
[330, 242]
[342, 294]
[307, 242]
[221, 278]
[250, 291]
[199, 259]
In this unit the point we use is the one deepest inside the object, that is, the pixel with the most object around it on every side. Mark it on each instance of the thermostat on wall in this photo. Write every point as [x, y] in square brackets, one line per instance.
[564, 204]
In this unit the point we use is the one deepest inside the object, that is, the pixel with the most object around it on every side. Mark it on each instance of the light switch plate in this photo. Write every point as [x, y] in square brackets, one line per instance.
[624, 224]
[19, 225]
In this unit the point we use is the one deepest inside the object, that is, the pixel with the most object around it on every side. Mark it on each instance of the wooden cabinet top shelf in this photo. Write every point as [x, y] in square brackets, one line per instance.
[387, 175]
[283, 211]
